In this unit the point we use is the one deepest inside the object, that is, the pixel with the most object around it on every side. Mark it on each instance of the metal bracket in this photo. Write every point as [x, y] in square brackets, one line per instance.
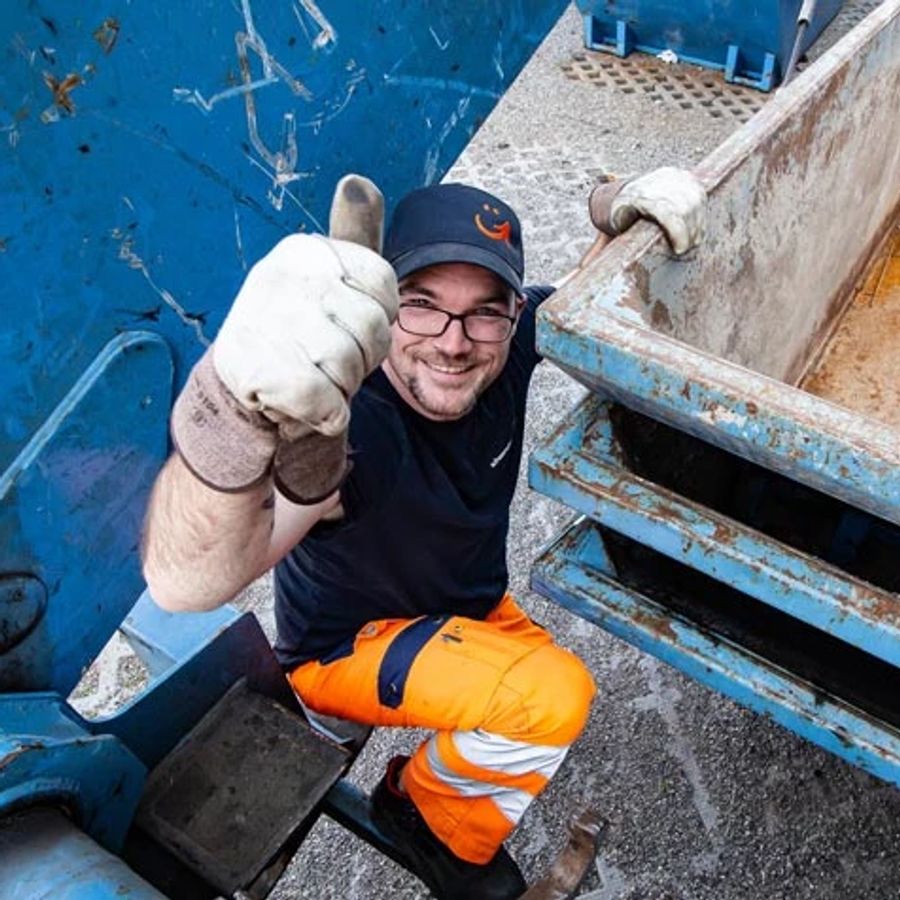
[766, 79]
[621, 44]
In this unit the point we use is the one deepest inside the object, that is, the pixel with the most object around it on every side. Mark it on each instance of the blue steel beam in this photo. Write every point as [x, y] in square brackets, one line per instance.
[581, 472]
[581, 586]
[810, 440]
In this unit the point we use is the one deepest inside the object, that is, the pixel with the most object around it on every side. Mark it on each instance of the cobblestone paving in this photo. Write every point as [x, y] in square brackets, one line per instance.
[704, 799]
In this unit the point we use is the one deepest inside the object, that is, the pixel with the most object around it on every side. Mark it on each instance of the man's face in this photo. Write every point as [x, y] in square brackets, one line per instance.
[442, 377]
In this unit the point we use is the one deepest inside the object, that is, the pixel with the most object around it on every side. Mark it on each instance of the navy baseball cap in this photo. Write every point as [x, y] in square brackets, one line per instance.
[455, 223]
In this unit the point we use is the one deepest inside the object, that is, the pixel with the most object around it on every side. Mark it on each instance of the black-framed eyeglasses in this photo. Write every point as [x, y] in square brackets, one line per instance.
[429, 321]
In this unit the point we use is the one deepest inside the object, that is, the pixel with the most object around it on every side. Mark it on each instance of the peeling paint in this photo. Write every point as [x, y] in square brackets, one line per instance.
[107, 33]
[723, 415]
[61, 89]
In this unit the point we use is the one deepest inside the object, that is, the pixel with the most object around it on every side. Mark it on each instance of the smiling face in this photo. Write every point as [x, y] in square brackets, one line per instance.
[489, 221]
[443, 377]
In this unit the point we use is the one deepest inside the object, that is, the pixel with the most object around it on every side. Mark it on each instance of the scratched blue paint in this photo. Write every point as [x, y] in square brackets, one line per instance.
[750, 39]
[71, 505]
[143, 207]
[595, 595]
[190, 138]
[149, 156]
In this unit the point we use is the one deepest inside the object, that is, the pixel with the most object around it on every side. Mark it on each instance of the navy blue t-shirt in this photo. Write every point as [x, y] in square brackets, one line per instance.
[426, 512]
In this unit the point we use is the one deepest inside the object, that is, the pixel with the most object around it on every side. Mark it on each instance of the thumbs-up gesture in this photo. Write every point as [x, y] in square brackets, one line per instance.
[310, 322]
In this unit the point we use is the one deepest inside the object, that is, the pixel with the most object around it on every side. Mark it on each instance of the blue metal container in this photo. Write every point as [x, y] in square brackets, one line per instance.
[149, 155]
[735, 525]
[750, 40]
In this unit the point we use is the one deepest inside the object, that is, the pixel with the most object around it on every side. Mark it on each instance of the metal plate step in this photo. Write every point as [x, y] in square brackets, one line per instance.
[238, 786]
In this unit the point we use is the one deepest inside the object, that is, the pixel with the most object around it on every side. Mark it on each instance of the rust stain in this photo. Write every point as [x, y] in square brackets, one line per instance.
[788, 146]
[669, 513]
[107, 33]
[660, 318]
[879, 605]
[724, 534]
[659, 625]
[62, 90]
[21, 750]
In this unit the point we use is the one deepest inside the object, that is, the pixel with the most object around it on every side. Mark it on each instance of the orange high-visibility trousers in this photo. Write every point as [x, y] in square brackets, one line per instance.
[506, 702]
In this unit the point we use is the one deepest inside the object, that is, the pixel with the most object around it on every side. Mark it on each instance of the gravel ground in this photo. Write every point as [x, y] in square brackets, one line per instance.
[704, 799]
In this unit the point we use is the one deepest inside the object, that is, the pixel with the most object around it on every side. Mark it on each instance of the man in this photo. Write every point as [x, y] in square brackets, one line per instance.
[358, 423]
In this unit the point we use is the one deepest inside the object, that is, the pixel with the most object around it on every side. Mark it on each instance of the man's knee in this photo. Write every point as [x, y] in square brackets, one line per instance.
[555, 690]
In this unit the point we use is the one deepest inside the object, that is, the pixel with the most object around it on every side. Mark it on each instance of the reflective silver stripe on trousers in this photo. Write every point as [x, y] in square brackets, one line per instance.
[490, 751]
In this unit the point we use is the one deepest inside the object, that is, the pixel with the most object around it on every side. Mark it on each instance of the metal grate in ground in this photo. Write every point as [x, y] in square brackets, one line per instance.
[689, 87]
[692, 86]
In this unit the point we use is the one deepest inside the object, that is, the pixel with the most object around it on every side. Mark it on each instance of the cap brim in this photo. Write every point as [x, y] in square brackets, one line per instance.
[434, 254]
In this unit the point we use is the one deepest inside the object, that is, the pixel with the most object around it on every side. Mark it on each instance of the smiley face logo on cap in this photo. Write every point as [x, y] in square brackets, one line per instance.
[489, 225]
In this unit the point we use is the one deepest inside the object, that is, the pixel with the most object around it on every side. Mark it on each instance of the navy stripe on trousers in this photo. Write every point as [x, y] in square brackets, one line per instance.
[398, 659]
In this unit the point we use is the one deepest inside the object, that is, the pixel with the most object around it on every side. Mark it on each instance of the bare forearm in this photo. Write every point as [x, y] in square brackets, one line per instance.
[201, 546]
[271, 395]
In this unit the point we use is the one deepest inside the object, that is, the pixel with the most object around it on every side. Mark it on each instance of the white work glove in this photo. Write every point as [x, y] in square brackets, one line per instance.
[310, 322]
[671, 197]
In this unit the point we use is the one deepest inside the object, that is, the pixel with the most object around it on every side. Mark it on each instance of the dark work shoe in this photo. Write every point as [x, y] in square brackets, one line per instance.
[447, 876]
